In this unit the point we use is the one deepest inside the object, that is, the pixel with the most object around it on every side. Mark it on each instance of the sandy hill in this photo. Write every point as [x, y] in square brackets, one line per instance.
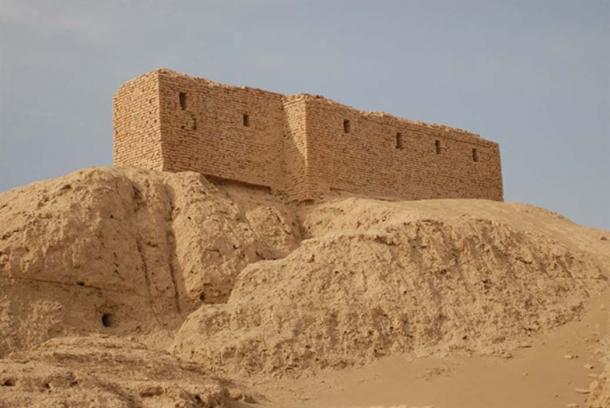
[182, 290]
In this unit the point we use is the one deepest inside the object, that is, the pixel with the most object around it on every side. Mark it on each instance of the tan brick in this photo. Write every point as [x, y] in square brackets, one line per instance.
[302, 145]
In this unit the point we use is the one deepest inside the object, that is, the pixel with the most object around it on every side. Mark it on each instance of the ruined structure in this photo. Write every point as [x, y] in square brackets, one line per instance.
[301, 145]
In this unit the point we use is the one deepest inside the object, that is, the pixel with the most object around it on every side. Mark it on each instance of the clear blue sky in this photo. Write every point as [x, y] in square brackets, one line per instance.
[531, 75]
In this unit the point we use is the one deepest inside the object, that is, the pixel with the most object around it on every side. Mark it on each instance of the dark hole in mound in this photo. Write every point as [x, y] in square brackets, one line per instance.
[46, 385]
[9, 382]
[202, 296]
[80, 283]
[107, 320]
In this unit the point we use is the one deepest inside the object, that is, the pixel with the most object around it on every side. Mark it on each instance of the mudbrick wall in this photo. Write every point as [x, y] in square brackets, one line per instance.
[301, 145]
[137, 128]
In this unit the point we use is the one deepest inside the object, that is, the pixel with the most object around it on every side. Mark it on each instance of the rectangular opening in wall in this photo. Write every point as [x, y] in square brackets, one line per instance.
[346, 126]
[245, 120]
[475, 155]
[399, 140]
[438, 146]
[182, 98]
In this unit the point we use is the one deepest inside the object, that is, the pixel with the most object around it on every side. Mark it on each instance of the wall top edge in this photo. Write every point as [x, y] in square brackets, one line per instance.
[305, 97]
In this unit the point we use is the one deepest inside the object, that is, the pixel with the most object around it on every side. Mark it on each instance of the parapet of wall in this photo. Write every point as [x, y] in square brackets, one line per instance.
[301, 145]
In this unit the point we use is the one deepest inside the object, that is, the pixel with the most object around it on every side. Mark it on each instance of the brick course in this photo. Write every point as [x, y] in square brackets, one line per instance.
[302, 145]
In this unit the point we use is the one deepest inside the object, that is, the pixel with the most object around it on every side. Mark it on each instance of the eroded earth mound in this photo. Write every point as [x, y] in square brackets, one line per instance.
[238, 282]
[127, 251]
[374, 278]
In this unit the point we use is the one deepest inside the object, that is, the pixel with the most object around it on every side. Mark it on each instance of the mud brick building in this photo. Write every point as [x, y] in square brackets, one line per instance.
[302, 145]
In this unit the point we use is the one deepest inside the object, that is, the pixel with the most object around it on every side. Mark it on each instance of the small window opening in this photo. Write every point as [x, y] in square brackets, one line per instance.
[9, 382]
[346, 126]
[246, 120]
[475, 155]
[438, 146]
[107, 320]
[182, 97]
[399, 140]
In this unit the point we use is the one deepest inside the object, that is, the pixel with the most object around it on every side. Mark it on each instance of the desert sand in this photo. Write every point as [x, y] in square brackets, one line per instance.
[134, 288]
